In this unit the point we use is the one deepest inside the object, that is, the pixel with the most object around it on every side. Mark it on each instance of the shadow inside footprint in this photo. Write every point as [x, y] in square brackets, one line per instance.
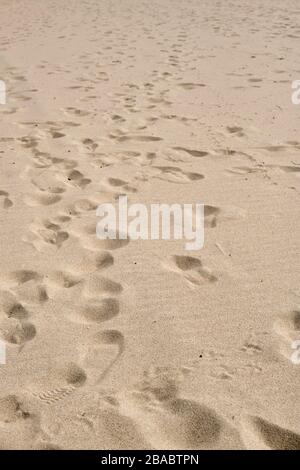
[110, 338]
[185, 263]
[75, 375]
[273, 436]
[296, 320]
[98, 312]
[194, 271]
[198, 423]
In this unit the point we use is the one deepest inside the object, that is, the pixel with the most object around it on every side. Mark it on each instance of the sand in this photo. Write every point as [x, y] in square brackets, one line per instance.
[125, 344]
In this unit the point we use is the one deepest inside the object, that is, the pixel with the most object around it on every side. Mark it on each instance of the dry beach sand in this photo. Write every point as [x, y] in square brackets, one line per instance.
[141, 344]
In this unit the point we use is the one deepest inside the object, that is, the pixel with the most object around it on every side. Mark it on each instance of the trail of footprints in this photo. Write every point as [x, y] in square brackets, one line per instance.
[155, 408]
[62, 174]
[155, 405]
[96, 302]
[166, 420]
[24, 288]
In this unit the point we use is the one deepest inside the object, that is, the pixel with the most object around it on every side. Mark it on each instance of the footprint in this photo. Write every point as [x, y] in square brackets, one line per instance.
[46, 233]
[42, 160]
[170, 422]
[10, 409]
[64, 164]
[110, 337]
[96, 284]
[95, 352]
[136, 138]
[19, 426]
[41, 199]
[193, 153]
[191, 86]
[236, 130]
[118, 183]
[63, 280]
[16, 278]
[16, 332]
[76, 112]
[288, 326]
[245, 170]
[198, 424]
[56, 134]
[47, 184]
[26, 286]
[261, 434]
[211, 215]
[11, 306]
[193, 269]
[92, 262]
[72, 376]
[75, 178]
[186, 263]
[82, 205]
[90, 144]
[32, 293]
[88, 238]
[176, 175]
[6, 202]
[96, 311]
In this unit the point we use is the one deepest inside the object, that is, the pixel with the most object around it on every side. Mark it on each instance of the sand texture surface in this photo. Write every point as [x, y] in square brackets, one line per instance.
[124, 344]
